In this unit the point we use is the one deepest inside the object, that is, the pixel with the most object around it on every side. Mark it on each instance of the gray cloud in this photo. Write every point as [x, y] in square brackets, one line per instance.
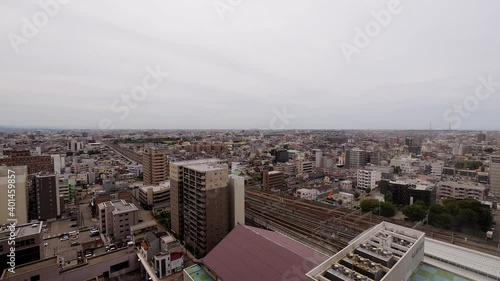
[264, 55]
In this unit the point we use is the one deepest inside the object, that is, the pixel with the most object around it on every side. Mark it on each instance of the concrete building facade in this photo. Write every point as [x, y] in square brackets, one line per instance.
[367, 179]
[116, 218]
[457, 190]
[272, 179]
[155, 195]
[155, 166]
[35, 164]
[48, 198]
[495, 175]
[199, 202]
[19, 183]
[236, 201]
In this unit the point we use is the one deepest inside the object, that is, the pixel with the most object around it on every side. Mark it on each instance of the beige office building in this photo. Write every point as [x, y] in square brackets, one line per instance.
[18, 201]
[155, 165]
[495, 175]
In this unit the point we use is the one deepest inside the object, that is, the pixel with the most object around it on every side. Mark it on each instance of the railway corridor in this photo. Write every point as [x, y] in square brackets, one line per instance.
[328, 228]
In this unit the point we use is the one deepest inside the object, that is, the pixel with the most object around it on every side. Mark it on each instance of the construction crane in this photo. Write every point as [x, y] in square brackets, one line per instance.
[331, 193]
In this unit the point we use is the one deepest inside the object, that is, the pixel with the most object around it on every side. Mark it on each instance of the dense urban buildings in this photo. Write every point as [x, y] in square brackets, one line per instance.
[273, 185]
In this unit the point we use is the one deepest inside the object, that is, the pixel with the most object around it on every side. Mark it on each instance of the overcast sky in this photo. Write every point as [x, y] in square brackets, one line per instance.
[243, 67]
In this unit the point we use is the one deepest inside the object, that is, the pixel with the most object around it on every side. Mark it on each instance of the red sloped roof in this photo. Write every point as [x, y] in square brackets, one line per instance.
[249, 254]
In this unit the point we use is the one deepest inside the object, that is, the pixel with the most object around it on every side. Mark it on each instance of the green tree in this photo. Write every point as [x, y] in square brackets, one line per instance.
[368, 205]
[368, 190]
[387, 209]
[356, 195]
[340, 202]
[415, 212]
[389, 197]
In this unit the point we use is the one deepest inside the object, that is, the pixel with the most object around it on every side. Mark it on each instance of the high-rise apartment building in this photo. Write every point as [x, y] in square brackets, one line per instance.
[199, 201]
[35, 164]
[356, 158]
[48, 200]
[495, 175]
[318, 157]
[155, 165]
[18, 182]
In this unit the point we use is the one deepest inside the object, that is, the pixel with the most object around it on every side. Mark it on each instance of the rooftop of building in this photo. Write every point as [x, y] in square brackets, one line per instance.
[119, 206]
[372, 255]
[462, 261]
[194, 162]
[249, 253]
[197, 273]
[462, 184]
[207, 167]
[21, 230]
[143, 225]
[156, 188]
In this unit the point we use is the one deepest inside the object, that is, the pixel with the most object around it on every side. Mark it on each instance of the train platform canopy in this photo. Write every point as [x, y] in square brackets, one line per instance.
[249, 253]
[465, 262]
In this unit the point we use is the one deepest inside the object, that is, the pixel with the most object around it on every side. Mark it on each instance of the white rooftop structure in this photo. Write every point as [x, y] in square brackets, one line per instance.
[462, 261]
[385, 252]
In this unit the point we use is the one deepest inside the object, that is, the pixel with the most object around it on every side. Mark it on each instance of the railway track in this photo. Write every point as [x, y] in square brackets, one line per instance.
[322, 220]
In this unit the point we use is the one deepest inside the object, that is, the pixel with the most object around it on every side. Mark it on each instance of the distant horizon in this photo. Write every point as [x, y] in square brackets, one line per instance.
[233, 129]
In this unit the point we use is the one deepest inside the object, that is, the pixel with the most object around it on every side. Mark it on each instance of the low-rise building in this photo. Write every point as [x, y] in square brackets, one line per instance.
[116, 217]
[27, 242]
[140, 230]
[305, 167]
[273, 179]
[161, 254]
[155, 195]
[347, 184]
[367, 179]
[308, 194]
[407, 192]
[461, 190]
